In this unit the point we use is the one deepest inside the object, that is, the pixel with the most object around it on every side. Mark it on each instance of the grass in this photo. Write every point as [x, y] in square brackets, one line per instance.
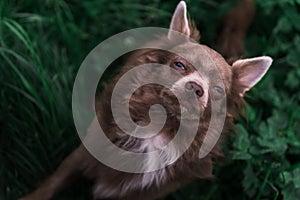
[42, 44]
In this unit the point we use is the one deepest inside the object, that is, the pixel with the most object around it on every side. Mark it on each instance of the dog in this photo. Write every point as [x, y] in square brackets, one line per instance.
[110, 183]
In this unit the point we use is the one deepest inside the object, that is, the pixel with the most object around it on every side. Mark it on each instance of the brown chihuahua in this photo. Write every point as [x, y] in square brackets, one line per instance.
[111, 183]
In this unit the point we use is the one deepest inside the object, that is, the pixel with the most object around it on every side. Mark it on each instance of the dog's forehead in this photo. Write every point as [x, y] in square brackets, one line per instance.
[192, 52]
[201, 54]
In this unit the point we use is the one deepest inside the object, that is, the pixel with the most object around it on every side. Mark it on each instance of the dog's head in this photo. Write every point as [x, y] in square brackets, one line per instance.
[199, 76]
[200, 81]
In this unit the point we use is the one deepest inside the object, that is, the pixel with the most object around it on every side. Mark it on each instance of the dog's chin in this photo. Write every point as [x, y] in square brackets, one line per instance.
[189, 114]
[180, 112]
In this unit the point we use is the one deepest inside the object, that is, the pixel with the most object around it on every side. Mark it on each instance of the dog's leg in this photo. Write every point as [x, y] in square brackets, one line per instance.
[233, 30]
[69, 170]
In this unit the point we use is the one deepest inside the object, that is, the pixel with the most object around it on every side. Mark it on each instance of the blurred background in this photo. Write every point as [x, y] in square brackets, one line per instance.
[42, 44]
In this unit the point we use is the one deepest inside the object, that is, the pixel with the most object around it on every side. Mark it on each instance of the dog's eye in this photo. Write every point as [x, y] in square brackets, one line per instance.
[219, 90]
[180, 65]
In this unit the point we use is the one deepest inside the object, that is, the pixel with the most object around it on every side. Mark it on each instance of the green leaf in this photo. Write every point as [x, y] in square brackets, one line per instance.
[270, 137]
[283, 25]
[293, 56]
[239, 155]
[292, 80]
[241, 144]
[250, 181]
[291, 190]
[242, 141]
[293, 16]
[290, 193]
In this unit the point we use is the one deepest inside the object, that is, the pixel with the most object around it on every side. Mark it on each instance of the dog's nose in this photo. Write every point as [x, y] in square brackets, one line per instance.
[194, 86]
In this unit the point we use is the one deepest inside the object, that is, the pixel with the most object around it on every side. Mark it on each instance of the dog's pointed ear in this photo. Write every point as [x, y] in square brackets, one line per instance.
[180, 21]
[248, 72]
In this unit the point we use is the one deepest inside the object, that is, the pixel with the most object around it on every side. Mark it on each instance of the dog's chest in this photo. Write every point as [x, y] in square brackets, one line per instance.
[119, 184]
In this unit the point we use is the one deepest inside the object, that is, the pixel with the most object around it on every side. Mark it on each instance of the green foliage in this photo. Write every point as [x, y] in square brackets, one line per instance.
[274, 131]
[42, 44]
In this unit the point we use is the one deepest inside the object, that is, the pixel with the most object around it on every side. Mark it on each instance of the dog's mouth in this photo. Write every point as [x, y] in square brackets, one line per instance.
[188, 114]
[183, 111]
